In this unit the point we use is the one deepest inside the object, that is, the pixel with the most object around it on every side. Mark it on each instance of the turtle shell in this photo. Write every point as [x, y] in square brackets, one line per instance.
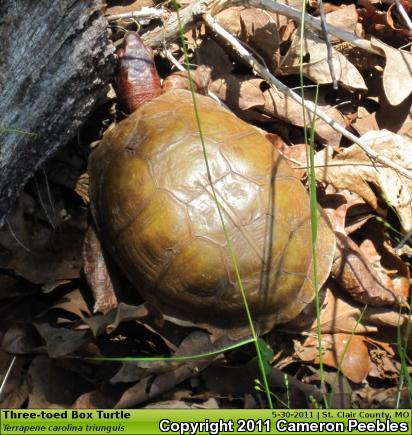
[156, 213]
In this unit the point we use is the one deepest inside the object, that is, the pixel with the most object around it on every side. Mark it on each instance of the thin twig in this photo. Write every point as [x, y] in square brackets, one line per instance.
[6, 376]
[403, 241]
[403, 14]
[18, 241]
[272, 80]
[49, 195]
[43, 205]
[328, 44]
[144, 14]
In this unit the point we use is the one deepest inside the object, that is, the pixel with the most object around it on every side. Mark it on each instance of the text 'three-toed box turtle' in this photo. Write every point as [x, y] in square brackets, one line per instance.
[156, 214]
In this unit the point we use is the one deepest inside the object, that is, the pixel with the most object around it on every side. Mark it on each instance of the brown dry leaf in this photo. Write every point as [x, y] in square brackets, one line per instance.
[74, 303]
[338, 314]
[107, 323]
[376, 113]
[382, 398]
[11, 287]
[149, 388]
[20, 339]
[366, 284]
[123, 6]
[257, 28]
[347, 350]
[315, 66]
[246, 97]
[378, 23]
[352, 353]
[392, 271]
[82, 187]
[346, 210]
[39, 253]
[62, 341]
[382, 365]
[352, 169]
[104, 397]
[211, 54]
[346, 17]
[397, 75]
[53, 386]
[381, 316]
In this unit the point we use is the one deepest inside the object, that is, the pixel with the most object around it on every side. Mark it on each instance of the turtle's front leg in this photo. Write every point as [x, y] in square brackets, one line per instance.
[98, 276]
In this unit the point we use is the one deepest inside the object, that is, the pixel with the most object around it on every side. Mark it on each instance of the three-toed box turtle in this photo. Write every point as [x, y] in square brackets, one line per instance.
[156, 214]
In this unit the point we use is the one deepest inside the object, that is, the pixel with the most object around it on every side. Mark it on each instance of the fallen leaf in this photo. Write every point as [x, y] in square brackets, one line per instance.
[53, 386]
[338, 314]
[341, 395]
[376, 113]
[375, 22]
[383, 316]
[392, 271]
[370, 396]
[346, 17]
[149, 388]
[104, 397]
[397, 75]
[62, 341]
[42, 255]
[382, 366]
[348, 351]
[366, 284]
[250, 99]
[315, 65]
[346, 210]
[74, 303]
[352, 169]
[123, 6]
[257, 28]
[20, 339]
[11, 287]
[107, 323]
[211, 54]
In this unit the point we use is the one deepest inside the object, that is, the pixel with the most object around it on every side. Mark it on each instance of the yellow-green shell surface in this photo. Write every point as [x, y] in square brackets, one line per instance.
[155, 213]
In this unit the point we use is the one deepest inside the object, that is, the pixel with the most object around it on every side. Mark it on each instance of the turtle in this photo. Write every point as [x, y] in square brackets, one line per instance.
[199, 210]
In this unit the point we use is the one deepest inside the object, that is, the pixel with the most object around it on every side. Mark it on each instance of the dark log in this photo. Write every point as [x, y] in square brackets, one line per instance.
[55, 65]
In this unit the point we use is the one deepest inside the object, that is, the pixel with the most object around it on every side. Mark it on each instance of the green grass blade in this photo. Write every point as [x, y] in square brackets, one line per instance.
[312, 196]
[345, 349]
[17, 131]
[183, 358]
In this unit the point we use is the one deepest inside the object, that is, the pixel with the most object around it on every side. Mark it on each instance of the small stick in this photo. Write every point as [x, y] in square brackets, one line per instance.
[144, 14]
[6, 376]
[328, 44]
[404, 15]
[271, 79]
